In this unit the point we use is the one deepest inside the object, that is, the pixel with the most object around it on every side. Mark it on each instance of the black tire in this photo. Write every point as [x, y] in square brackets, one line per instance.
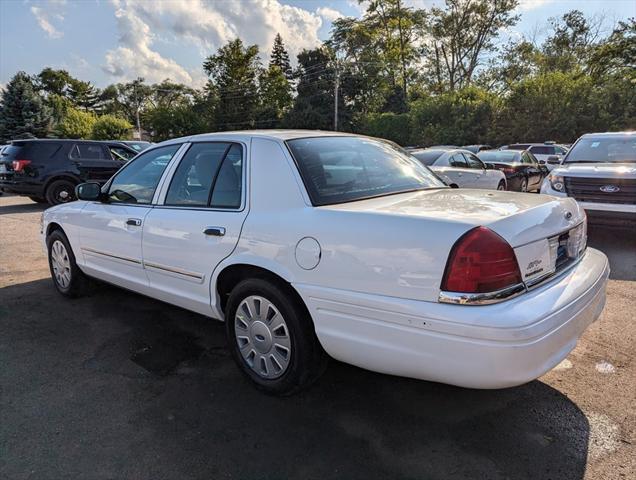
[79, 283]
[501, 186]
[60, 191]
[523, 186]
[38, 199]
[307, 359]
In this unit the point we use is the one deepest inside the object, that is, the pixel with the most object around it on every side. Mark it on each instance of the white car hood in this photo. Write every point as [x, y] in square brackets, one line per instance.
[520, 218]
[597, 170]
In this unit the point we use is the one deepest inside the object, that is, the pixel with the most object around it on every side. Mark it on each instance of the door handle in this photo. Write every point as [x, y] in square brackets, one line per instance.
[215, 231]
[136, 222]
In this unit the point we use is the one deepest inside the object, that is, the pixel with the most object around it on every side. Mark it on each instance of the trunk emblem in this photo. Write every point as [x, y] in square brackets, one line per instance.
[609, 188]
[568, 215]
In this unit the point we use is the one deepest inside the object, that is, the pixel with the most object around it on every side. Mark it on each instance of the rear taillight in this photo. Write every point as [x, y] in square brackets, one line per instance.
[480, 262]
[18, 165]
[508, 170]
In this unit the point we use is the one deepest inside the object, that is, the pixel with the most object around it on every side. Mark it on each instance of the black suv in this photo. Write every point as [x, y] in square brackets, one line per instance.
[47, 170]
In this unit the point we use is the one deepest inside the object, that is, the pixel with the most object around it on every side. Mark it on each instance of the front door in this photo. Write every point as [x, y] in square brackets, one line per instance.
[197, 224]
[110, 232]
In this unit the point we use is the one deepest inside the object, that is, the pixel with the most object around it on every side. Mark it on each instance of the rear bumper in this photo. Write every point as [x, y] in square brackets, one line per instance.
[20, 188]
[492, 346]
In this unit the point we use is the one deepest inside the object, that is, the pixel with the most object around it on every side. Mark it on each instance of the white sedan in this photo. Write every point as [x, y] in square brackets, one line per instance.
[311, 244]
[460, 168]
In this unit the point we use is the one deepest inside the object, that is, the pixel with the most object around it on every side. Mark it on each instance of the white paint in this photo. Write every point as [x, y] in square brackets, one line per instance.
[605, 367]
[564, 365]
[373, 297]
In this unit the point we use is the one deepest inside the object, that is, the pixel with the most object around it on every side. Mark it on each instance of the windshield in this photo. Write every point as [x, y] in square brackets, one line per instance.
[499, 156]
[607, 149]
[344, 169]
[427, 157]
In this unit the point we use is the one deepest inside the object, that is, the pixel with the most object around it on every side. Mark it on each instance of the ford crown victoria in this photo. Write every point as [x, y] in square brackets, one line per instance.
[313, 244]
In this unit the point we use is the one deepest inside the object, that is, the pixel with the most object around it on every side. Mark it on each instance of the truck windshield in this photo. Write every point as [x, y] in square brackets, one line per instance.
[344, 169]
[604, 149]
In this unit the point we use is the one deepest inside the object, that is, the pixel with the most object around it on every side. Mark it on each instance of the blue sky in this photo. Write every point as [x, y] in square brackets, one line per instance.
[108, 41]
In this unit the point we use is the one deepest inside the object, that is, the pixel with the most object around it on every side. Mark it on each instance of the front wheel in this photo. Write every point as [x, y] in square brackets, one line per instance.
[68, 279]
[501, 186]
[272, 338]
[524, 185]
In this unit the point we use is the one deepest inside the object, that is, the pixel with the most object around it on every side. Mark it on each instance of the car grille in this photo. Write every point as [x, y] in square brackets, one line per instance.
[589, 189]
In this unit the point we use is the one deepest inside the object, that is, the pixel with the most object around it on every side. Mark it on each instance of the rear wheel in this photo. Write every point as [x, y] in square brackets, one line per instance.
[69, 280]
[60, 191]
[523, 187]
[501, 186]
[271, 337]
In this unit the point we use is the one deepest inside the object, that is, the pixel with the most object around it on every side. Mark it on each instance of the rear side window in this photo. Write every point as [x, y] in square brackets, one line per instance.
[458, 160]
[473, 162]
[539, 150]
[34, 151]
[137, 181]
[427, 157]
[210, 174]
[87, 151]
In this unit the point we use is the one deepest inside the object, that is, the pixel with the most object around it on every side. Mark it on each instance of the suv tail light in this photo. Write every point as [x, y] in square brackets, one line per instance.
[18, 165]
[480, 262]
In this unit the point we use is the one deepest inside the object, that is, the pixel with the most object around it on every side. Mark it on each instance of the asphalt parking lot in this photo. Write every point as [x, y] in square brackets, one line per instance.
[117, 386]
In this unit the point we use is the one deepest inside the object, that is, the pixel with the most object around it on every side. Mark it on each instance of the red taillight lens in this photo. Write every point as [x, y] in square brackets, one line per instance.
[18, 165]
[508, 170]
[480, 262]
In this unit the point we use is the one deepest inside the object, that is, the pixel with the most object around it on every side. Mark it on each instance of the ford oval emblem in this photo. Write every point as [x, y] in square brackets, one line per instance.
[568, 215]
[609, 189]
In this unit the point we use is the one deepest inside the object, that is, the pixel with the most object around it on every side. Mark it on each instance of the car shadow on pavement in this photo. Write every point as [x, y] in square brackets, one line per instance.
[23, 208]
[619, 244]
[116, 385]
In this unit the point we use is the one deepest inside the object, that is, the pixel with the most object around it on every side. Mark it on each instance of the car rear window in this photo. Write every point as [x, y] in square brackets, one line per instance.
[30, 151]
[345, 169]
[499, 156]
[427, 157]
[518, 146]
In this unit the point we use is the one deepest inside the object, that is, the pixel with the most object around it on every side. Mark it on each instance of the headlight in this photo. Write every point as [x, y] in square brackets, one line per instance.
[556, 182]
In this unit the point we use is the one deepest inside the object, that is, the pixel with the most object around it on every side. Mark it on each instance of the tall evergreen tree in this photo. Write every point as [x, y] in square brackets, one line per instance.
[22, 111]
[84, 95]
[280, 57]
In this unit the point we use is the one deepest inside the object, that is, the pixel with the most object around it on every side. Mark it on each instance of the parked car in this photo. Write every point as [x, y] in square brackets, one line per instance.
[523, 172]
[599, 172]
[312, 242]
[48, 170]
[138, 145]
[461, 168]
[476, 148]
[548, 153]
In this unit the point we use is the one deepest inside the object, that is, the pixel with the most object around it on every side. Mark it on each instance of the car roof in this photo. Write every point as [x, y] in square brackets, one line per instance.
[282, 135]
[609, 134]
[57, 140]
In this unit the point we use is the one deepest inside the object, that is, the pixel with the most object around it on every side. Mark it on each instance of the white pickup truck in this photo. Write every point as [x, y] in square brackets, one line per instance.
[599, 172]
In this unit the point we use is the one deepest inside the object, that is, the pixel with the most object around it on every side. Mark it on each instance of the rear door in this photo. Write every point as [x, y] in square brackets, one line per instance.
[478, 177]
[458, 171]
[94, 161]
[196, 224]
[533, 172]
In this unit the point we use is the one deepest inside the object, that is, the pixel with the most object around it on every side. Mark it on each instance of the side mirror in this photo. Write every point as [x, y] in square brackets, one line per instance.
[554, 160]
[90, 191]
[541, 162]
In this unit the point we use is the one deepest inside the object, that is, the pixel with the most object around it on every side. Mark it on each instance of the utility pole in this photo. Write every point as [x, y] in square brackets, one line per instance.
[335, 104]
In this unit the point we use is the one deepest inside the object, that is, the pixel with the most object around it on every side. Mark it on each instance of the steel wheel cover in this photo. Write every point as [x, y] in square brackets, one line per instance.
[262, 337]
[61, 264]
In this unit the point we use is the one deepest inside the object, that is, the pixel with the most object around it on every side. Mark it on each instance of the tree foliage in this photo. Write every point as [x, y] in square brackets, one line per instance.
[280, 58]
[23, 112]
[109, 127]
[76, 124]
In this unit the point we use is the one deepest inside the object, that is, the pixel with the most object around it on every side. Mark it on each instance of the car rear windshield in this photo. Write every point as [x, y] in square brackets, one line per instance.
[345, 169]
[607, 149]
[30, 151]
[518, 146]
[427, 157]
[499, 156]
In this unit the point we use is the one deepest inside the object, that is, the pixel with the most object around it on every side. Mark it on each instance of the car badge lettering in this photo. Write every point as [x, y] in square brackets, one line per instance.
[609, 189]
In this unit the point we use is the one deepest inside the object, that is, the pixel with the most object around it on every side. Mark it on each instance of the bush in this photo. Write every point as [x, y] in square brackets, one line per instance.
[392, 126]
[110, 127]
[76, 124]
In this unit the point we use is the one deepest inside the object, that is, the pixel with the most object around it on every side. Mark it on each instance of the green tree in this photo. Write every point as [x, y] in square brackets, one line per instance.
[22, 110]
[233, 81]
[84, 95]
[280, 58]
[617, 54]
[76, 124]
[129, 100]
[54, 82]
[275, 95]
[109, 127]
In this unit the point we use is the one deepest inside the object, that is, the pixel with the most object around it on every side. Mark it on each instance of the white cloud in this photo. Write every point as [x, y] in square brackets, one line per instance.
[46, 14]
[208, 25]
[533, 4]
[329, 13]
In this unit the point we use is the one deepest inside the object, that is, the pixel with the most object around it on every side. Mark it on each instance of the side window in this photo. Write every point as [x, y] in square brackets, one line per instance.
[192, 181]
[121, 154]
[474, 162]
[137, 181]
[560, 151]
[228, 185]
[527, 158]
[87, 151]
[458, 160]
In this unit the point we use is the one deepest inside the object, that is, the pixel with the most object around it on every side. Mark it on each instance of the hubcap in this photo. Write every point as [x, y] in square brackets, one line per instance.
[262, 337]
[61, 264]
